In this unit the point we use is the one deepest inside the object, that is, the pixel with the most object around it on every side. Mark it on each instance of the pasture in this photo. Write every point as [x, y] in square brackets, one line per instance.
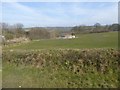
[95, 40]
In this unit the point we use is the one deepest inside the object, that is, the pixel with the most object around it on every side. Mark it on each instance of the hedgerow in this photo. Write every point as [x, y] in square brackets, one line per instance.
[77, 61]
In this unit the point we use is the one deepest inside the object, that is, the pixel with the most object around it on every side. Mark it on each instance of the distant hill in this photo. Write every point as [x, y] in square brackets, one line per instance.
[59, 28]
[53, 28]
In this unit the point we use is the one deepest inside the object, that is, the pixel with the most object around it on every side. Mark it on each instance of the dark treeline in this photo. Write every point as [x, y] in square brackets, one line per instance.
[41, 33]
[17, 30]
[96, 28]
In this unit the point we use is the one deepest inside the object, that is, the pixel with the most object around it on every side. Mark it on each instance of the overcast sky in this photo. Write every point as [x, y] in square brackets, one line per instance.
[59, 13]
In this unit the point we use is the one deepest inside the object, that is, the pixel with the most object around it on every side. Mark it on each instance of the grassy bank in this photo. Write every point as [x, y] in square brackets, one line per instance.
[61, 68]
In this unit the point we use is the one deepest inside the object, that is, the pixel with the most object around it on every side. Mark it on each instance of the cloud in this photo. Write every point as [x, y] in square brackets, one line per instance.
[0, 12]
[22, 13]
[59, 0]
[59, 14]
[106, 15]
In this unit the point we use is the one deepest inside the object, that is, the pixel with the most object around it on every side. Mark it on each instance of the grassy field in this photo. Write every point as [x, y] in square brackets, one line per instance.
[86, 61]
[29, 77]
[96, 40]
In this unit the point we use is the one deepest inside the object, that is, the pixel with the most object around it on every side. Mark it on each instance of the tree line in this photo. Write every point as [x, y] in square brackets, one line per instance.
[18, 30]
[96, 28]
[12, 31]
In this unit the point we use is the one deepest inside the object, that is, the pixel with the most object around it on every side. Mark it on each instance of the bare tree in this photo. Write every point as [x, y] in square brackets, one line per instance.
[18, 29]
[97, 25]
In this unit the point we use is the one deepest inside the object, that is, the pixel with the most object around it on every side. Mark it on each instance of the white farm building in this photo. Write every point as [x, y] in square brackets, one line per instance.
[67, 36]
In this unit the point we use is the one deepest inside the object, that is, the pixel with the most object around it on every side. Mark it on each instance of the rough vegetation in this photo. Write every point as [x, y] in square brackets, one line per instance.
[66, 68]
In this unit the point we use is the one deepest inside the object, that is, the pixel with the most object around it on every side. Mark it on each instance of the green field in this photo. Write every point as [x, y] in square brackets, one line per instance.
[96, 40]
[89, 61]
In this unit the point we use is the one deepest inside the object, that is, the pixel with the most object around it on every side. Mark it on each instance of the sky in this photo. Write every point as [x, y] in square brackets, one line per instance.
[52, 14]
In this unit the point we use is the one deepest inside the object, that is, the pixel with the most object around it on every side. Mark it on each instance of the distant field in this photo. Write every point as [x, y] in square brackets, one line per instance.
[96, 40]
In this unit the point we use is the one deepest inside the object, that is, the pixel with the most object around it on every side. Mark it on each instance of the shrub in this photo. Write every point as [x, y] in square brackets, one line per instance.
[101, 60]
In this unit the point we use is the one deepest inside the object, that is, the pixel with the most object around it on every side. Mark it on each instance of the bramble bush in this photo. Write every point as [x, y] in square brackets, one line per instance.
[101, 60]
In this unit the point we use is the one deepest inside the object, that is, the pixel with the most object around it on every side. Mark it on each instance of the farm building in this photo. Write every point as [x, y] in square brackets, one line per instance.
[67, 36]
